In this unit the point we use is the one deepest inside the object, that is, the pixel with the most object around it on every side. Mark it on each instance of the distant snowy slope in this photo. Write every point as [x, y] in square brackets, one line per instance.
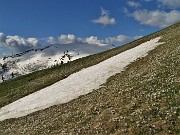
[47, 56]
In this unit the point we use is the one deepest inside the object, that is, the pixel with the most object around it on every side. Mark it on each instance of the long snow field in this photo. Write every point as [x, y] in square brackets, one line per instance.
[80, 83]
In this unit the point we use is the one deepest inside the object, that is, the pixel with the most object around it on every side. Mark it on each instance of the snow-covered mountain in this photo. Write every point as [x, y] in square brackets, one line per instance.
[40, 58]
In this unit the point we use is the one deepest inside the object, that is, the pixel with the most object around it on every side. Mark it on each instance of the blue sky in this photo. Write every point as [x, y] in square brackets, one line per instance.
[26, 23]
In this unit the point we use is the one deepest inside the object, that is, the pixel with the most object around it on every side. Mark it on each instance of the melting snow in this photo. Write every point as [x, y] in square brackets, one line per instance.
[80, 83]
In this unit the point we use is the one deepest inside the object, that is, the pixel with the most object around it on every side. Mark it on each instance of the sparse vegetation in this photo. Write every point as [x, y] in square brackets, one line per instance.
[143, 99]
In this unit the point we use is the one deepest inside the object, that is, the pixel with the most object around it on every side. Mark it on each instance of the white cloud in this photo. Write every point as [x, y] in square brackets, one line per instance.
[17, 42]
[105, 18]
[104, 12]
[2, 38]
[170, 3]
[70, 38]
[21, 44]
[93, 40]
[51, 40]
[121, 39]
[33, 41]
[67, 39]
[156, 17]
[133, 4]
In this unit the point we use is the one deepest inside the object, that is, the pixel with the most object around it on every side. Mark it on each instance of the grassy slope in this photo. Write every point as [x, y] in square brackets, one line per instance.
[144, 99]
[17, 88]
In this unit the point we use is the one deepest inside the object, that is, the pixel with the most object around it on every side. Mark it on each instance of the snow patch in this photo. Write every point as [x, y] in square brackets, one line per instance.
[80, 83]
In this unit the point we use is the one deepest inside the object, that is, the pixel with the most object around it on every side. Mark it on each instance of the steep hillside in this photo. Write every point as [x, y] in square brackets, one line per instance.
[143, 99]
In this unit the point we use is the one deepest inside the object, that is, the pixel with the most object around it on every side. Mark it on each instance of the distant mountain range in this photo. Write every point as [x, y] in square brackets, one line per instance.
[41, 58]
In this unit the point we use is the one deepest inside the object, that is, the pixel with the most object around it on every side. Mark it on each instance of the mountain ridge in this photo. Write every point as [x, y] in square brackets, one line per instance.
[40, 58]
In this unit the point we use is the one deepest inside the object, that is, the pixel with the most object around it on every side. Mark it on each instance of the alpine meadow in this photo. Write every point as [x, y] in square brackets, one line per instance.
[140, 97]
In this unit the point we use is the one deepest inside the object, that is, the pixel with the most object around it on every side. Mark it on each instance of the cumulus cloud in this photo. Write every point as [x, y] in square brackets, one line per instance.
[17, 42]
[170, 3]
[21, 44]
[33, 41]
[93, 40]
[70, 38]
[105, 18]
[51, 40]
[67, 39]
[133, 4]
[156, 17]
[121, 39]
